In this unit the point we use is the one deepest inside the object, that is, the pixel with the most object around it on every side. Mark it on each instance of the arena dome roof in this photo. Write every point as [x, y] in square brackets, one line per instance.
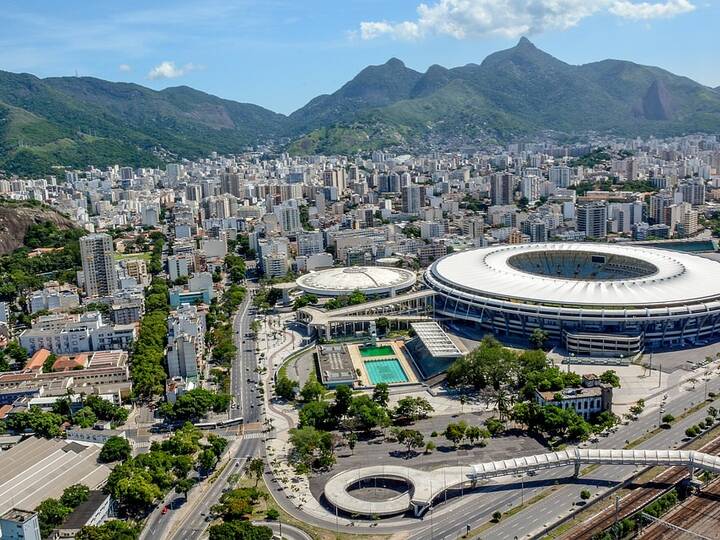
[368, 279]
[582, 274]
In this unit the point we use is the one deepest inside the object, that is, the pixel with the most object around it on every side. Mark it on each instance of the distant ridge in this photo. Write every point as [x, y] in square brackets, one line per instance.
[517, 92]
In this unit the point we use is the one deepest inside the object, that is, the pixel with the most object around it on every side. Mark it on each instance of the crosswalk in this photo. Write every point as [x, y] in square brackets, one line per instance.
[255, 435]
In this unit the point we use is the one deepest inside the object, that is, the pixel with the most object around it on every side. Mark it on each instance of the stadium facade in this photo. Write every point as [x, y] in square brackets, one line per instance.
[599, 299]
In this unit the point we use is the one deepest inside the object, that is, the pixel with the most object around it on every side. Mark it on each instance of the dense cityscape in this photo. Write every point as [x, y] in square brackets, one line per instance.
[280, 314]
[261, 279]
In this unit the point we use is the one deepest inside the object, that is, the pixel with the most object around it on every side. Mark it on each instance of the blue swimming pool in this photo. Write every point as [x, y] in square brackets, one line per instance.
[387, 371]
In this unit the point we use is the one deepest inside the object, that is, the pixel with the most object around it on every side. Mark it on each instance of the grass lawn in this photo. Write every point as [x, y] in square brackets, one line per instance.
[145, 255]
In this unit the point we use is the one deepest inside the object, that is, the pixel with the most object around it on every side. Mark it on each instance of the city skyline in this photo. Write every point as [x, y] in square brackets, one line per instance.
[276, 54]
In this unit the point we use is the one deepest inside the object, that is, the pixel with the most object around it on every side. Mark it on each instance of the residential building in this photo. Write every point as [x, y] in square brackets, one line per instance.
[98, 264]
[592, 219]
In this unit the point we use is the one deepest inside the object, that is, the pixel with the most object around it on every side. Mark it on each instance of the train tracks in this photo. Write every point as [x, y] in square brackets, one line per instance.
[635, 501]
[699, 514]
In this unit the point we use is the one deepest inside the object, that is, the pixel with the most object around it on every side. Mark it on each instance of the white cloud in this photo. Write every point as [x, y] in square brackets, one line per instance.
[124, 67]
[463, 19]
[650, 10]
[168, 70]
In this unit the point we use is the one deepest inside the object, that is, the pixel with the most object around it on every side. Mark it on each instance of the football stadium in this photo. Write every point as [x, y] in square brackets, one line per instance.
[591, 299]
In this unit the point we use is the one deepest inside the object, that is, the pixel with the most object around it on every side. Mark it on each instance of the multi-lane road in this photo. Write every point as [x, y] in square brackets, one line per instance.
[244, 376]
[246, 404]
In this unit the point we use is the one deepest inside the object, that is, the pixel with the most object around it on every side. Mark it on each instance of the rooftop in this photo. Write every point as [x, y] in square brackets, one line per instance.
[435, 340]
[368, 279]
[17, 515]
[579, 274]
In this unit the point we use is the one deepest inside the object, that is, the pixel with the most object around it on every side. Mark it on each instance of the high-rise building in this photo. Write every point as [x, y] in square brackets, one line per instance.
[288, 216]
[559, 175]
[310, 243]
[592, 219]
[502, 188]
[98, 264]
[659, 202]
[412, 199]
[693, 193]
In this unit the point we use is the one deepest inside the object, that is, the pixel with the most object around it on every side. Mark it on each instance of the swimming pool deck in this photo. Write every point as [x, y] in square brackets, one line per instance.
[397, 353]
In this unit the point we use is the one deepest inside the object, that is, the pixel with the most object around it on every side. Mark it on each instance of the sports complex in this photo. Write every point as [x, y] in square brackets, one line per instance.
[590, 298]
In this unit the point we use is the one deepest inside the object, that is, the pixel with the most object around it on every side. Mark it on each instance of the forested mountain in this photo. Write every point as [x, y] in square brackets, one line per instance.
[516, 92]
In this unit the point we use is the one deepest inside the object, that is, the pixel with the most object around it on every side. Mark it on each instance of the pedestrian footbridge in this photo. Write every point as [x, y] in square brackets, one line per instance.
[424, 486]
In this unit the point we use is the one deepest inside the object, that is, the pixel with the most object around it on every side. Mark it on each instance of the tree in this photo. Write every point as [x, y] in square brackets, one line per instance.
[381, 394]
[184, 485]
[239, 530]
[382, 324]
[494, 426]
[366, 414]
[503, 402]
[411, 409]
[133, 488]
[668, 419]
[610, 377]
[285, 388]
[51, 514]
[256, 467]
[455, 433]
[496, 516]
[85, 417]
[74, 495]
[489, 364]
[585, 494]
[538, 338]
[429, 447]
[638, 408]
[312, 390]
[48, 364]
[310, 445]
[114, 529]
[207, 460]
[351, 439]
[476, 433]
[318, 414]
[217, 444]
[272, 514]
[343, 398]
[410, 438]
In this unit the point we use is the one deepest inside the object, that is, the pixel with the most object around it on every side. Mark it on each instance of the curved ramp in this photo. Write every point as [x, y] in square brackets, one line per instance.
[424, 486]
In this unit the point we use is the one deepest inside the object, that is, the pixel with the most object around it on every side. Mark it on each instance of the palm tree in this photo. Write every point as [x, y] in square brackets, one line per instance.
[503, 402]
[463, 401]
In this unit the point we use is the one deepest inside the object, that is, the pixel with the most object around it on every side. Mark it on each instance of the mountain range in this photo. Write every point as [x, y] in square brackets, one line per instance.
[513, 93]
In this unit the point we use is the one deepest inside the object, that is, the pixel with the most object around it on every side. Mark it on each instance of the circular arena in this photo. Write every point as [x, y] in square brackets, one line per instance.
[371, 280]
[607, 299]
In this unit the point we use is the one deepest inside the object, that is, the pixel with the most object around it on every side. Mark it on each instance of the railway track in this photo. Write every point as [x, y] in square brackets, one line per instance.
[634, 501]
[699, 514]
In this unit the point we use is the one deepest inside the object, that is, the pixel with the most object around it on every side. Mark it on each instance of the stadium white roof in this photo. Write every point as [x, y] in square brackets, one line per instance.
[677, 278]
[367, 279]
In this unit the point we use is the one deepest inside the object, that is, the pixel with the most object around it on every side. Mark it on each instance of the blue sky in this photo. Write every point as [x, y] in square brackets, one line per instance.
[281, 53]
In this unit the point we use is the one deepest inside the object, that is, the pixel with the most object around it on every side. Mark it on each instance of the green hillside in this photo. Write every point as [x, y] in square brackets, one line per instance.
[518, 92]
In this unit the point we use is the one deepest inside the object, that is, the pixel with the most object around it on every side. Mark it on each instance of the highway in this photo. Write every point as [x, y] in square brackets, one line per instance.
[243, 376]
